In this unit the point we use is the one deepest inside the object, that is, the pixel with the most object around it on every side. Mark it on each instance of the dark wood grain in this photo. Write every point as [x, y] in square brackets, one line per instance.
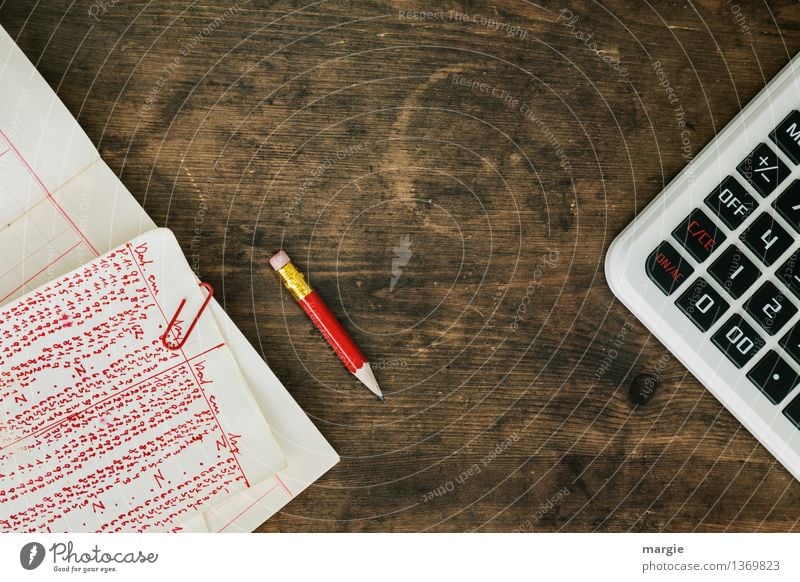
[253, 109]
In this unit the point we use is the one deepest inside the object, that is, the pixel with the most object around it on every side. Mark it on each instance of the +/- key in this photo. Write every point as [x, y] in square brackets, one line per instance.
[763, 169]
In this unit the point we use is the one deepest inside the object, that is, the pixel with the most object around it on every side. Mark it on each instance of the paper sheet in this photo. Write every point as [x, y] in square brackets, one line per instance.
[75, 209]
[103, 427]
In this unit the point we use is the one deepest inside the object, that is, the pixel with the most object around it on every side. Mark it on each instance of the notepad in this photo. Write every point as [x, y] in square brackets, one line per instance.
[105, 427]
[61, 208]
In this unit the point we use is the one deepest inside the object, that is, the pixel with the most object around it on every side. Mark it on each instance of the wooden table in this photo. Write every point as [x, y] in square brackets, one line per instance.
[450, 181]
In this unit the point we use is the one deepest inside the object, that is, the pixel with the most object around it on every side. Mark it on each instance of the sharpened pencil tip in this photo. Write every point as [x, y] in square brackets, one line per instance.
[364, 373]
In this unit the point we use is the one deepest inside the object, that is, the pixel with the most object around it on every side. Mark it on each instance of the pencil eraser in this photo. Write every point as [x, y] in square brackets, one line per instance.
[279, 260]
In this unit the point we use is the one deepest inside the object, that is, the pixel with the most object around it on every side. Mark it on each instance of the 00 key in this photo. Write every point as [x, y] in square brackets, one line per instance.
[738, 340]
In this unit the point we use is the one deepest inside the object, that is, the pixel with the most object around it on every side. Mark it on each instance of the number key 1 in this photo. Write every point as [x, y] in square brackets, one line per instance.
[771, 308]
[735, 272]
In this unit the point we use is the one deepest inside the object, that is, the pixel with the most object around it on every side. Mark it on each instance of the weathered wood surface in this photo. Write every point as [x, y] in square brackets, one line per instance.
[505, 158]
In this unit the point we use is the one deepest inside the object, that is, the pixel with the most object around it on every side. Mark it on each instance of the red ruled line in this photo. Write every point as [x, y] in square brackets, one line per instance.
[248, 508]
[33, 252]
[113, 395]
[43, 269]
[285, 488]
[199, 385]
[52, 200]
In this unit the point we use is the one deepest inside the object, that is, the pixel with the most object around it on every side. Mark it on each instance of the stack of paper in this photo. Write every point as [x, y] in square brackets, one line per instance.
[143, 437]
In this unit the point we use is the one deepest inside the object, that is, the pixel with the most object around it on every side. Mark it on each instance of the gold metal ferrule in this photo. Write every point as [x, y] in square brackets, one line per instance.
[294, 281]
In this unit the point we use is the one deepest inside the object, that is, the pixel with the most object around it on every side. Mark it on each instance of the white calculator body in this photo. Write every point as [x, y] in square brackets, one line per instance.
[712, 267]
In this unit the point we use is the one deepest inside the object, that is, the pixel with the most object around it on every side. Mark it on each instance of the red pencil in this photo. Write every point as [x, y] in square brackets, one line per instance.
[326, 322]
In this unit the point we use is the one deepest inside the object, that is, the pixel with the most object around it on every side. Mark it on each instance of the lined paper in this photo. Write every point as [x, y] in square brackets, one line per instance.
[104, 428]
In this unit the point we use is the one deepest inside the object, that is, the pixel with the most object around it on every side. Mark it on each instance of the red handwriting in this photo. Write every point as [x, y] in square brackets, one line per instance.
[101, 424]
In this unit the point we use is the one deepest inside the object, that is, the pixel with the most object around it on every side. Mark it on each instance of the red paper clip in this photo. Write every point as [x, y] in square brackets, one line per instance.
[210, 290]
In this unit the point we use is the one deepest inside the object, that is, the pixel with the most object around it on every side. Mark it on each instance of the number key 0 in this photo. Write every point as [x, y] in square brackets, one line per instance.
[702, 304]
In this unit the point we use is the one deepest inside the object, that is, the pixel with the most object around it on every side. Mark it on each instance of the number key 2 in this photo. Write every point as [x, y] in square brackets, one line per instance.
[771, 308]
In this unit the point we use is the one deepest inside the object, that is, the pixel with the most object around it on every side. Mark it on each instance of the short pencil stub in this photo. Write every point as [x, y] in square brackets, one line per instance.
[279, 260]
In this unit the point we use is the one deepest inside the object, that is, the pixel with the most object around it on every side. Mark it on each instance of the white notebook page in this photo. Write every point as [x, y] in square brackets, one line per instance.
[103, 426]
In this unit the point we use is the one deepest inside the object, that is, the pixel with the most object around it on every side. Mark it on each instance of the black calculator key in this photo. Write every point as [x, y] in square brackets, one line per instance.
[735, 272]
[791, 342]
[738, 340]
[667, 268]
[788, 204]
[771, 308]
[792, 412]
[787, 136]
[763, 169]
[767, 239]
[774, 377]
[731, 203]
[789, 273]
[702, 304]
[699, 235]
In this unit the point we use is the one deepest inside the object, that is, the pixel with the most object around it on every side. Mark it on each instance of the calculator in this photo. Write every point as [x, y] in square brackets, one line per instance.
[712, 267]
